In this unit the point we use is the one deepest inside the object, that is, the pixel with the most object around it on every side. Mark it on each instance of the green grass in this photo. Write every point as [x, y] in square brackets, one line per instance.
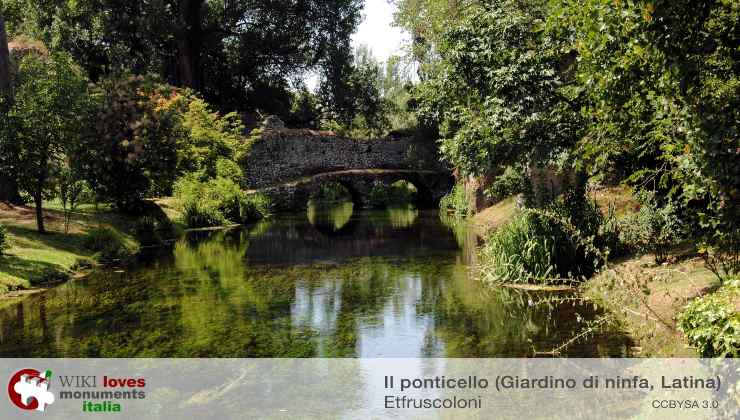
[34, 259]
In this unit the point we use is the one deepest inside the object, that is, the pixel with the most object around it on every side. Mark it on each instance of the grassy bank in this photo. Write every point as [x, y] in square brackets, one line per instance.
[645, 298]
[34, 261]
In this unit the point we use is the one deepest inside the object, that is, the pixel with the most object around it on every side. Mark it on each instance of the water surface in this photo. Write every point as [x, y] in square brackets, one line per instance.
[331, 282]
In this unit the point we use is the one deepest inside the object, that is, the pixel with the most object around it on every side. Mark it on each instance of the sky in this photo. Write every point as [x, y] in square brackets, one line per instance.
[377, 32]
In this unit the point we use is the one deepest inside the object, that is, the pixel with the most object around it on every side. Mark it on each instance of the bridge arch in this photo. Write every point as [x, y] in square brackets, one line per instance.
[288, 165]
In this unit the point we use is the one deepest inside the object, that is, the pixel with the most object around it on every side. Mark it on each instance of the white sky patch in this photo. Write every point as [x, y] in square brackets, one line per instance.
[377, 32]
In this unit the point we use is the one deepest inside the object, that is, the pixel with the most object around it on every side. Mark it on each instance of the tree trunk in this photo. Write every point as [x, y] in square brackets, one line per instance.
[4, 57]
[39, 212]
[189, 44]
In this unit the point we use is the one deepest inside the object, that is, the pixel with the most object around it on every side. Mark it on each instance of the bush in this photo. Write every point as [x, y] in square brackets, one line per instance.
[199, 215]
[511, 182]
[3, 239]
[712, 323]
[217, 202]
[255, 207]
[108, 245]
[396, 194]
[331, 192]
[655, 229]
[566, 241]
[132, 150]
[456, 202]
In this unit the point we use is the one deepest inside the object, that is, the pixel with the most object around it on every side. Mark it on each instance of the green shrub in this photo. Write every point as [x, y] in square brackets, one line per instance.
[217, 202]
[456, 202]
[564, 242]
[3, 239]
[521, 251]
[712, 323]
[331, 192]
[200, 215]
[255, 207]
[397, 194]
[133, 149]
[654, 228]
[511, 182]
[108, 245]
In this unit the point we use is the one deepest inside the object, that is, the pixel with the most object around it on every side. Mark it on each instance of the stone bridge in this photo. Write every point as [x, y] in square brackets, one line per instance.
[289, 165]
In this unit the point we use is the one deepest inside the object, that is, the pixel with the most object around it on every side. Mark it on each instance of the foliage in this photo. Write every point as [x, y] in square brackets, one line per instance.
[132, 150]
[305, 110]
[398, 193]
[211, 140]
[108, 245]
[3, 239]
[240, 54]
[712, 323]
[501, 94]
[427, 21]
[331, 192]
[563, 242]
[44, 121]
[396, 85]
[510, 182]
[352, 99]
[71, 191]
[653, 228]
[456, 202]
[662, 107]
[216, 201]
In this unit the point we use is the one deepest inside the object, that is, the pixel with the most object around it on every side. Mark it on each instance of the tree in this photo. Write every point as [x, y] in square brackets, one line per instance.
[8, 187]
[231, 51]
[45, 118]
[4, 57]
[427, 21]
[352, 94]
[131, 152]
[502, 93]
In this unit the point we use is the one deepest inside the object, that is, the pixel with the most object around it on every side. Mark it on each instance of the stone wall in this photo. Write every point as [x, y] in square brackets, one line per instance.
[283, 155]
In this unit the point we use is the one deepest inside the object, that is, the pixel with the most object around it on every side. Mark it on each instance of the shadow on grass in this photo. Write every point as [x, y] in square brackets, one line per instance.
[31, 273]
[70, 242]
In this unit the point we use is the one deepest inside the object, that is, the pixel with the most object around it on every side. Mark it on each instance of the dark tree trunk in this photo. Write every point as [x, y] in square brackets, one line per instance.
[4, 57]
[39, 212]
[8, 188]
[189, 44]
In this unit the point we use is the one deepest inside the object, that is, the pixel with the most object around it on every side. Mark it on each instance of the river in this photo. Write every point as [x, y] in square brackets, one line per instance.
[331, 282]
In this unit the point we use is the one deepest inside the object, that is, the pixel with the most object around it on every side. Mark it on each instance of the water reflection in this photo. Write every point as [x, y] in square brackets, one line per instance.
[330, 218]
[378, 284]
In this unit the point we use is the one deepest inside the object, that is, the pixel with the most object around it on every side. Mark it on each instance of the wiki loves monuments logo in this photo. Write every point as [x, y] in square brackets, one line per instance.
[28, 389]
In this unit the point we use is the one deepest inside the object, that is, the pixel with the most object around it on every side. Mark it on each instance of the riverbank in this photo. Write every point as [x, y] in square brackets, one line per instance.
[34, 262]
[645, 298]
